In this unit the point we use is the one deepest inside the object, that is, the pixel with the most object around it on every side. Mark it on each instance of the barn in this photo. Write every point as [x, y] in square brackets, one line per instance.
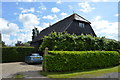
[71, 24]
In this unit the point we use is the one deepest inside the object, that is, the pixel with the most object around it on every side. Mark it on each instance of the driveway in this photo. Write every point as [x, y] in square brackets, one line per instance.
[110, 75]
[10, 69]
[32, 71]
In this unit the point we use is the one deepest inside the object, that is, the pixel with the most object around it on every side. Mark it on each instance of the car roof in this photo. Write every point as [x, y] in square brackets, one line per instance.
[35, 53]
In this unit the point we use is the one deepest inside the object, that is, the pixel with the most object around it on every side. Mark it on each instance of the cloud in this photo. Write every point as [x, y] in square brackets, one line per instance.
[24, 37]
[55, 10]
[15, 13]
[26, 0]
[27, 10]
[17, 3]
[70, 7]
[29, 0]
[116, 15]
[23, 34]
[6, 39]
[105, 28]
[63, 14]
[71, 0]
[38, 11]
[7, 27]
[102, 0]
[21, 8]
[85, 7]
[11, 33]
[97, 18]
[42, 6]
[58, 2]
[29, 19]
[49, 17]
[43, 26]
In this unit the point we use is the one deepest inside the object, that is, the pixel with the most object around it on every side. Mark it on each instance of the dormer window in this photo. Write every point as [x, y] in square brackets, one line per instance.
[81, 25]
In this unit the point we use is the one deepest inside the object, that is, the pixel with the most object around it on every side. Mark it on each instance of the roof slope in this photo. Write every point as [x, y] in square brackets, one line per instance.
[60, 26]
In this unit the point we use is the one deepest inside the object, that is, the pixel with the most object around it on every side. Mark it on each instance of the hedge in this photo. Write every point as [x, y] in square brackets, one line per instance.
[15, 54]
[60, 61]
[66, 42]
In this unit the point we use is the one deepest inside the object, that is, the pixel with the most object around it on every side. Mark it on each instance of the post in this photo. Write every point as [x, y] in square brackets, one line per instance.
[46, 52]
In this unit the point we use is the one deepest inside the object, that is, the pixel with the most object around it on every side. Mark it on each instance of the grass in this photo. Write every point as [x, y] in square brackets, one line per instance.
[19, 76]
[85, 74]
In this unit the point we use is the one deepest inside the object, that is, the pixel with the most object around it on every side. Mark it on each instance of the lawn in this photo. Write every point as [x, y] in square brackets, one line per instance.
[77, 74]
[18, 76]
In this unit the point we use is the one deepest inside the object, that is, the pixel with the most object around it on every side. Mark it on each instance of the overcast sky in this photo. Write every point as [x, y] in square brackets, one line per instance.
[19, 18]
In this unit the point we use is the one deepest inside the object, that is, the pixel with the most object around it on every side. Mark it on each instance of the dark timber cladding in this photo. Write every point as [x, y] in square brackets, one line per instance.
[71, 24]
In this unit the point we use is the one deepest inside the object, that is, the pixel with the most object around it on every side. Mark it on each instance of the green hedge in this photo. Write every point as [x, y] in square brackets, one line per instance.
[80, 60]
[15, 54]
[66, 42]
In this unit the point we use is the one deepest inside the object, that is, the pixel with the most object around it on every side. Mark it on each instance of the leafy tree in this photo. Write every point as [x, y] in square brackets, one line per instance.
[66, 42]
[27, 43]
[19, 43]
[3, 44]
[35, 33]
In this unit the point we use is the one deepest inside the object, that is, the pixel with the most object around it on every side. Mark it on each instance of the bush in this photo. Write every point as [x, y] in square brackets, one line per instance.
[80, 60]
[66, 42]
[15, 54]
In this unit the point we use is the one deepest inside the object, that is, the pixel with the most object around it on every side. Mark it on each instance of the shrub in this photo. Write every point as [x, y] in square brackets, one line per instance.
[15, 54]
[66, 42]
[80, 60]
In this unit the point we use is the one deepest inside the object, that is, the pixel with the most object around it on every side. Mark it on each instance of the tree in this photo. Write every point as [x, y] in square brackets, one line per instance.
[19, 43]
[66, 42]
[3, 44]
[35, 33]
[27, 43]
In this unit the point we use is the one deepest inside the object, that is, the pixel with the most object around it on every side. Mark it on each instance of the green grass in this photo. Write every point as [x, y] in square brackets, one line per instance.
[77, 74]
[19, 76]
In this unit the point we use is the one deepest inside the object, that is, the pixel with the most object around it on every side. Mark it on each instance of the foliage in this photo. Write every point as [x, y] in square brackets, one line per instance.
[66, 42]
[35, 32]
[61, 61]
[20, 43]
[15, 54]
[2, 43]
[19, 76]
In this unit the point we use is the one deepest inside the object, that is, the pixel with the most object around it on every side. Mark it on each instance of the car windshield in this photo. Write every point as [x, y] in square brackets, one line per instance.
[35, 54]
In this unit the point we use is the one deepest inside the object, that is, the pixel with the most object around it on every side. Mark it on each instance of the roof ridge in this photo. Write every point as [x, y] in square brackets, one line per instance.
[62, 19]
[68, 17]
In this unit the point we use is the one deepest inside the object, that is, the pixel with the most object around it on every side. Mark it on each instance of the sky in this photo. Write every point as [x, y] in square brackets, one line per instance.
[19, 18]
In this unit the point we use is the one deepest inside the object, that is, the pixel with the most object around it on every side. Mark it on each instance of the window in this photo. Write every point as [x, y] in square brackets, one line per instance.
[81, 25]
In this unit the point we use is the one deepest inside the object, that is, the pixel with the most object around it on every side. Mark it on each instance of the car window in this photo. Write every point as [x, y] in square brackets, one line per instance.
[35, 55]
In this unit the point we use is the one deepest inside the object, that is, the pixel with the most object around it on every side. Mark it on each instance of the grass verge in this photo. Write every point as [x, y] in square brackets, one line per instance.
[19, 76]
[78, 74]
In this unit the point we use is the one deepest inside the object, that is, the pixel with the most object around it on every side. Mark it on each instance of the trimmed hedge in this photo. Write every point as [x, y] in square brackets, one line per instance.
[15, 54]
[80, 60]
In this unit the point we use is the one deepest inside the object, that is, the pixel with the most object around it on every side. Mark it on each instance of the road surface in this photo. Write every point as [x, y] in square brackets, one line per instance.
[10, 69]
